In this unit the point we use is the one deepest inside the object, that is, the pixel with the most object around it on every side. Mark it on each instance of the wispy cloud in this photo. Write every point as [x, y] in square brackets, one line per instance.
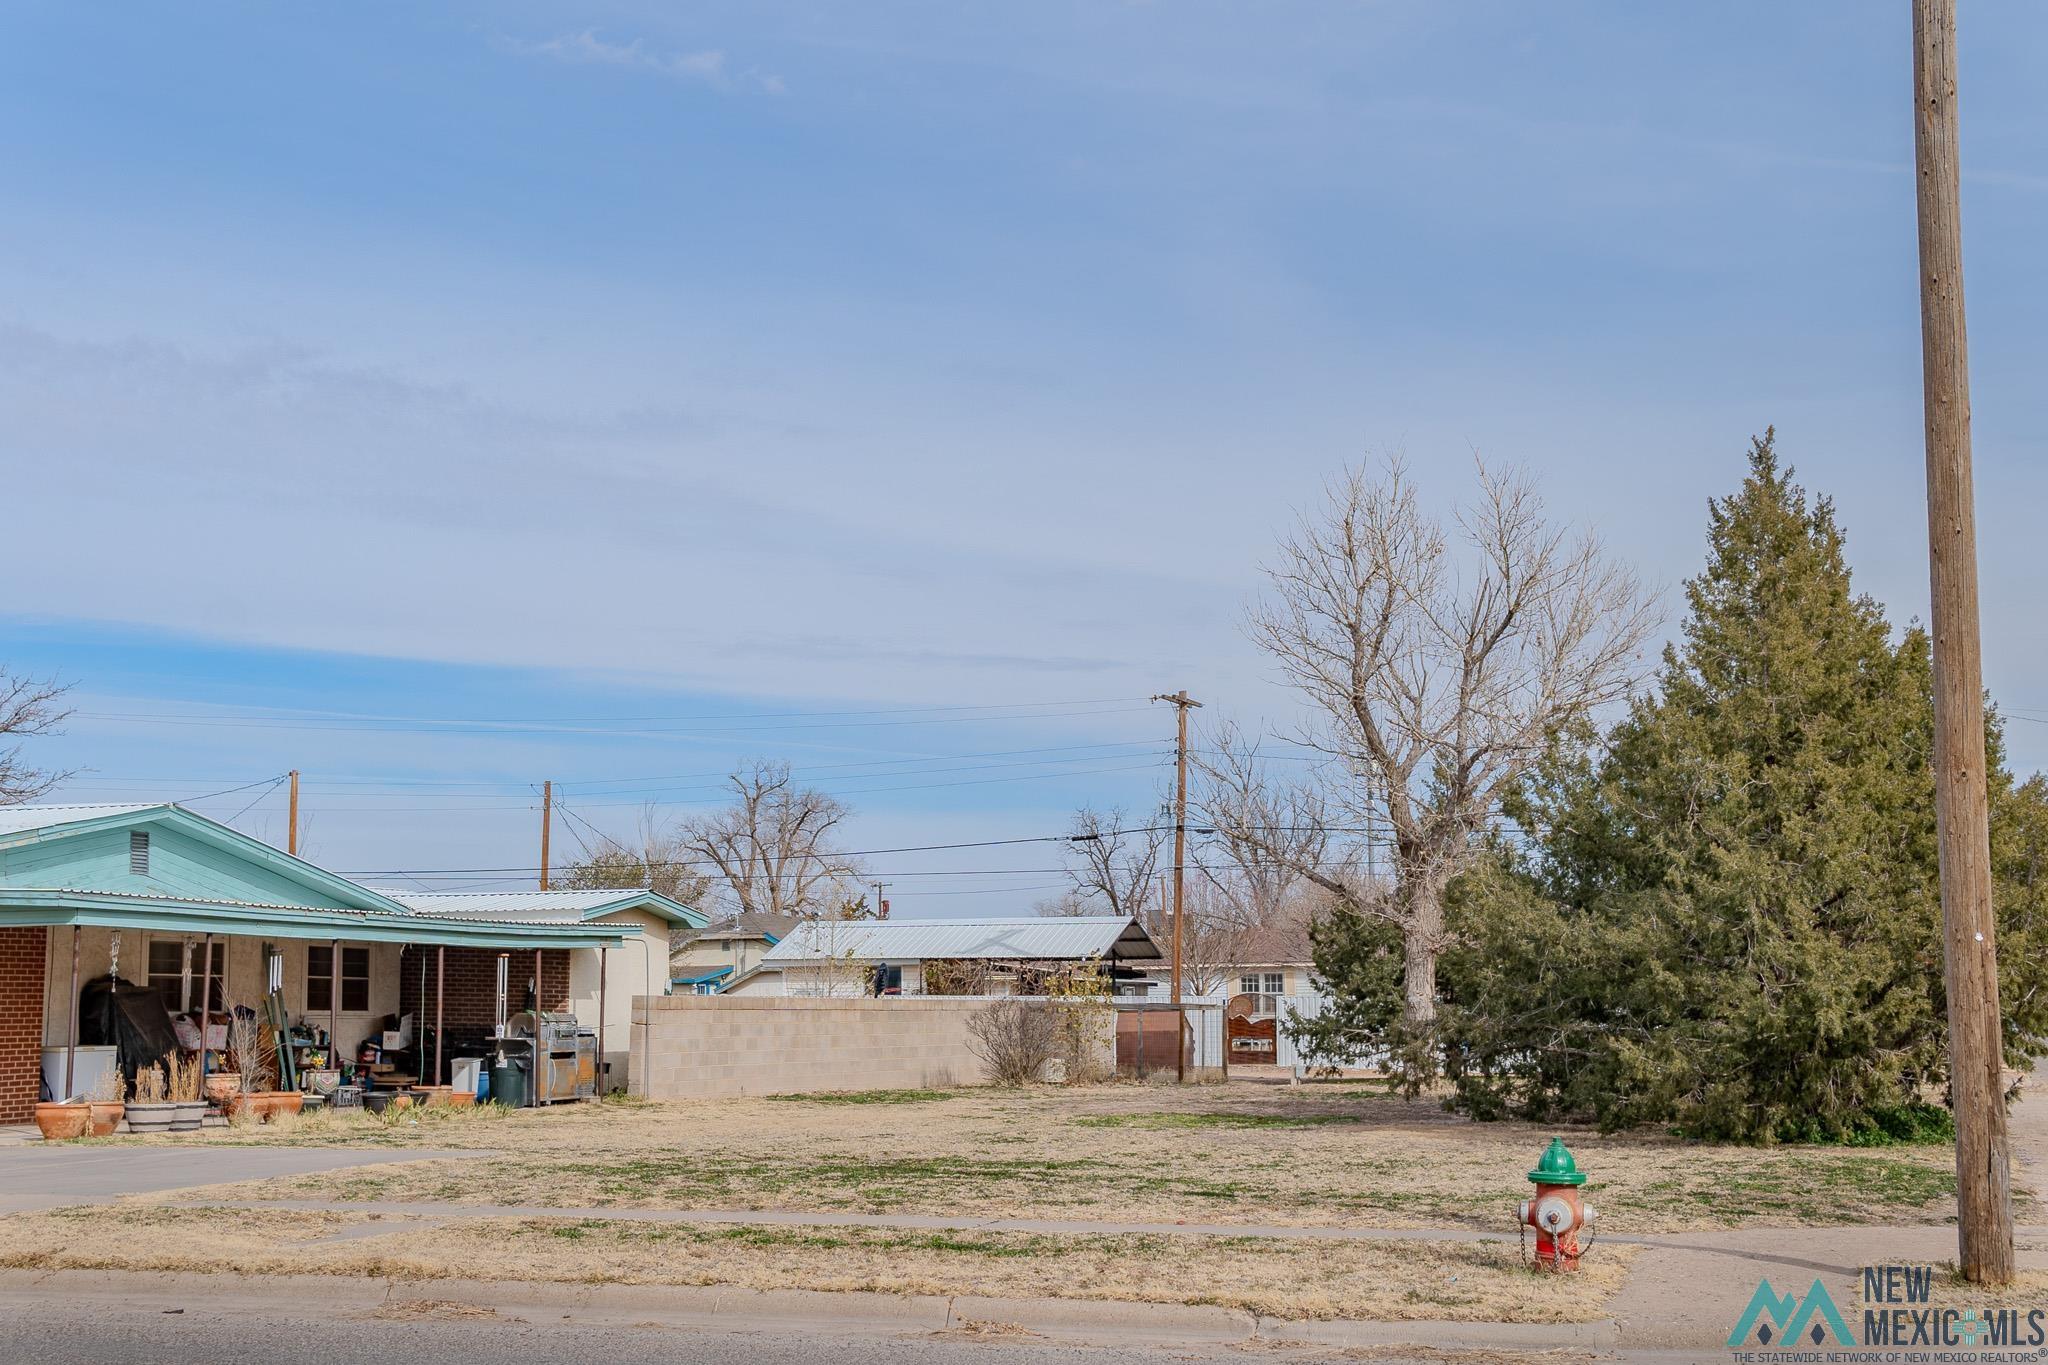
[707, 67]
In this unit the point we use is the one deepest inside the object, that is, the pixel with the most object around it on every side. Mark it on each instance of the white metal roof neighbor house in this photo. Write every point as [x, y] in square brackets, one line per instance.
[889, 956]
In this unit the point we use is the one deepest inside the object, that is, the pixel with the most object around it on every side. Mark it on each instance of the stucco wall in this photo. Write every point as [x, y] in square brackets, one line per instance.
[242, 977]
[715, 1046]
[637, 967]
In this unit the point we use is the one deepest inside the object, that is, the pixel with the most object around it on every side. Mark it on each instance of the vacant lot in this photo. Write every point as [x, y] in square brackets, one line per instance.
[1244, 1153]
[1340, 1155]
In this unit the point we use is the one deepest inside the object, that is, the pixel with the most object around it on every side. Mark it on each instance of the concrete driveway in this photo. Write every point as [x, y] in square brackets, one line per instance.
[51, 1175]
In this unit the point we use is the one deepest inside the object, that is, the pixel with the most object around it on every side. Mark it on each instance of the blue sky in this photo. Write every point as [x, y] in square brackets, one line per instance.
[516, 360]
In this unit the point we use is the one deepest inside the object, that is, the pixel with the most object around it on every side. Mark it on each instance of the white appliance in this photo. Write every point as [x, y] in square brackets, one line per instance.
[93, 1063]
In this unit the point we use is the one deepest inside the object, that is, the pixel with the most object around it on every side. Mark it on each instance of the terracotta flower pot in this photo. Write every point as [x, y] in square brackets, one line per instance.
[433, 1094]
[106, 1117]
[458, 1098]
[221, 1086]
[286, 1101]
[59, 1122]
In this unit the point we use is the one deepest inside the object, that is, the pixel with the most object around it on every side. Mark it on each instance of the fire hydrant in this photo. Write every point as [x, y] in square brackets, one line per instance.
[1557, 1213]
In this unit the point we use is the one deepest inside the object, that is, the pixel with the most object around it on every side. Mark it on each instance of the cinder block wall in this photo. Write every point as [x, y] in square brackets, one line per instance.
[714, 1046]
[21, 1022]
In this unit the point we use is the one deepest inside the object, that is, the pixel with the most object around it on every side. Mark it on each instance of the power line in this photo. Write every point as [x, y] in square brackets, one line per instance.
[258, 797]
[879, 852]
[229, 791]
[623, 727]
[287, 712]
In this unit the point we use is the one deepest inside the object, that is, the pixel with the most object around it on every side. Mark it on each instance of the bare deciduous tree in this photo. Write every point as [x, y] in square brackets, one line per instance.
[1218, 935]
[1236, 794]
[1436, 675]
[28, 707]
[771, 849]
[1113, 862]
[656, 859]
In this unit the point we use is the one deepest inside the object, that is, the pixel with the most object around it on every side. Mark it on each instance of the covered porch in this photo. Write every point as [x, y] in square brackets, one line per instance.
[394, 1000]
[155, 911]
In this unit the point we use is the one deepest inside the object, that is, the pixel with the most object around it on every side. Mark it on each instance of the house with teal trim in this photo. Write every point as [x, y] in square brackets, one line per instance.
[720, 954]
[153, 893]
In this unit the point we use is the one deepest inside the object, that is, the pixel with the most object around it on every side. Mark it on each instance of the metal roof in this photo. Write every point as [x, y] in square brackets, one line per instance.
[914, 940]
[537, 907]
[171, 914]
[758, 924]
[21, 819]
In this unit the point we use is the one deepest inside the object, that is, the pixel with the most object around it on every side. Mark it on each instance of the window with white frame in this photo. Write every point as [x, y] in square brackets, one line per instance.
[167, 967]
[1263, 983]
[355, 979]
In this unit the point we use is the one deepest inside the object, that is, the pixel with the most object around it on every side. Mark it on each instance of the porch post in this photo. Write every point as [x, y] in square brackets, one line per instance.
[334, 998]
[71, 1038]
[539, 997]
[440, 984]
[205, 1006]
[601, 953]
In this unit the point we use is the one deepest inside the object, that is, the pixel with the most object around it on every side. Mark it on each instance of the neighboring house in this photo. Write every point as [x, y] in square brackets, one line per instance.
[722, 952]
[952, 957]
[1268, 960]
[1266, 964]
[155, 892]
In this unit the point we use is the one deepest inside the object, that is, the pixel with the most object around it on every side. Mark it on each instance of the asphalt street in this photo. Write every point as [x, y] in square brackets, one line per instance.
[101, 1332]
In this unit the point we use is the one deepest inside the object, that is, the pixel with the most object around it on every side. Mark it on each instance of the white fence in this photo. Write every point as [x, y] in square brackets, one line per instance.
[1290, 1009]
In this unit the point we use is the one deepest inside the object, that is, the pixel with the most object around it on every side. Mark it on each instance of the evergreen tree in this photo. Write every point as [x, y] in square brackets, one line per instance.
[1730, 917]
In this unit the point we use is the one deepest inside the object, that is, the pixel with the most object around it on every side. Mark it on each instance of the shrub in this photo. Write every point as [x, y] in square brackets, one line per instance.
[1014, 1040]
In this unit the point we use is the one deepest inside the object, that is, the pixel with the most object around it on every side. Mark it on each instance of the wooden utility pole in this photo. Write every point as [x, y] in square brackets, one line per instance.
[547, 818]
[1962, 811]
[291, 837]
[1182, 703]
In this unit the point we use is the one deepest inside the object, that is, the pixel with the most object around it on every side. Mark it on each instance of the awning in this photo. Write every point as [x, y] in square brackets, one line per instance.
[701, 977]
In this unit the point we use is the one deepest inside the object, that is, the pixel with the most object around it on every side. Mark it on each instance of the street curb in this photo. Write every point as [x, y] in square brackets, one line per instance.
[1084, 1320]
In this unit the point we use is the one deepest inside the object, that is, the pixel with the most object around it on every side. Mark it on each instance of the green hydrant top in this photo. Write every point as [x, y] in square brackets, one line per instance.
[1556, 1166]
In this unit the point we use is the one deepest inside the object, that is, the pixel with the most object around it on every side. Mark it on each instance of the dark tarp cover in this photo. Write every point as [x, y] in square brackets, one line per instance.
[129, 1016]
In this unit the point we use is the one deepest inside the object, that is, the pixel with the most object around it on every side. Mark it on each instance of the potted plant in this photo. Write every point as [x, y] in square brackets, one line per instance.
[104, 1102]
[251, 1067]
[63, 1119]
[255, 1062]
[184, 1091]
[150, 1110]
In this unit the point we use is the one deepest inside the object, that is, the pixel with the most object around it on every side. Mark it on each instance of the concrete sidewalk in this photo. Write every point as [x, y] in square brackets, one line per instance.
[50, 1175]
[1814, 1249]
[1683, 1293]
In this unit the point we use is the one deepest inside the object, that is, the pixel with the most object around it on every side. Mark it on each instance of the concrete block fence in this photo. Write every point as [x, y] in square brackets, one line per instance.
[713, 1047]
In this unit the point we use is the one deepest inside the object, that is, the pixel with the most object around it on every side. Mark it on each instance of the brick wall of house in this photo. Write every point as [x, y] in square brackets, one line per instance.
[22, 964]
[470, 999]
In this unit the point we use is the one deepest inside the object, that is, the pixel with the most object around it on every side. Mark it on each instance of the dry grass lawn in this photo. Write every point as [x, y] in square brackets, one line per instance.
[1342, 1155]
[1405, 1280]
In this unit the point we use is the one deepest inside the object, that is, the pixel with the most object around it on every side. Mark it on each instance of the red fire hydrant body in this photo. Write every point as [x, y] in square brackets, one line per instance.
[1557, 1213]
